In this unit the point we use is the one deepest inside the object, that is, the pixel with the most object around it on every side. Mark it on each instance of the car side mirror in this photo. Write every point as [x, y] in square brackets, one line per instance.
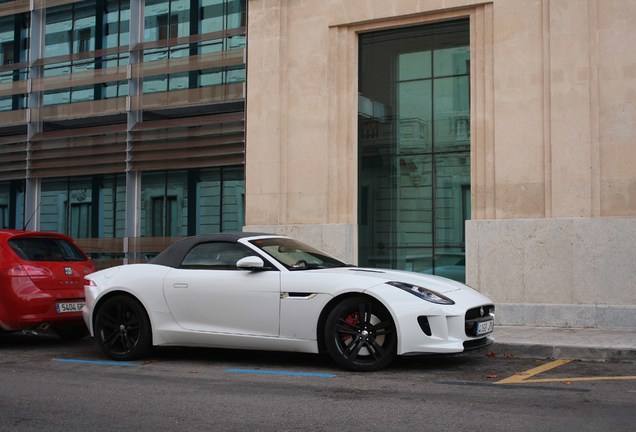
[251, 263]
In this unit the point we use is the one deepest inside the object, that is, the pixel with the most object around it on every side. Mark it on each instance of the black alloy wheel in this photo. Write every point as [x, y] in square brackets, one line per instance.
[360, 335]
[122, 328]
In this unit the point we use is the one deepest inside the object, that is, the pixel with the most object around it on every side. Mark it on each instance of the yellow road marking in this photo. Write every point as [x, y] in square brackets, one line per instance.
[524, 377]
[612, 378]
[521, 377]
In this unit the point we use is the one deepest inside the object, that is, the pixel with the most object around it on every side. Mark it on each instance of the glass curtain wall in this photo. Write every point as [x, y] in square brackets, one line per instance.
[116, 33]
[170, 19]
[173, 203]
[85, 48]
[12, 205]
[188, 202]
[69, 29]
[414, 148]
[84, 207]
[14, 50]
[85, 27]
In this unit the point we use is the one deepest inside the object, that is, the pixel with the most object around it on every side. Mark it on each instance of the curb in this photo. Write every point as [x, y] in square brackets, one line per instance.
[563, 352]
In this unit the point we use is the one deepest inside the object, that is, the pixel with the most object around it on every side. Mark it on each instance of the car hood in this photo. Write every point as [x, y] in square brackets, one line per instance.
[375, 276]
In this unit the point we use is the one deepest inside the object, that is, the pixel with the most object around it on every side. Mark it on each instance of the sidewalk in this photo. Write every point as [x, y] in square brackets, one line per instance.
[565, 343]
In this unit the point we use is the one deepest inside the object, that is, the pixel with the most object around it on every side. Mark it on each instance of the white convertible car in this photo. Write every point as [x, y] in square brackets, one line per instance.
[268, 292]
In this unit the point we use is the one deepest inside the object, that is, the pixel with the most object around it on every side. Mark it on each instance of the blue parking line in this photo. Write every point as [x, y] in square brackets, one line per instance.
[97, 362]
[269, 372]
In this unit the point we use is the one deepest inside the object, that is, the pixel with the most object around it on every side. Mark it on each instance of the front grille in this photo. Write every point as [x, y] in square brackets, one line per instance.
[476, 316]
[478, 313]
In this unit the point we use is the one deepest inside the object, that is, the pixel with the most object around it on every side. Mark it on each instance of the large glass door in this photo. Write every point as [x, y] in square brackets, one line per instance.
[414, 148]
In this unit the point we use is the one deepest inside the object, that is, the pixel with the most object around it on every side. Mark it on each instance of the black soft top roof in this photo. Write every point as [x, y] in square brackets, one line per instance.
[173, 255]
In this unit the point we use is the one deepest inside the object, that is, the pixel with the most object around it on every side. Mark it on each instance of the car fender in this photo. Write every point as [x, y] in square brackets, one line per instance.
[144, 282]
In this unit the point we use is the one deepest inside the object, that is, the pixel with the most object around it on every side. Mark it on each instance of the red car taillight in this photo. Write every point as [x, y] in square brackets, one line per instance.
[34, 272]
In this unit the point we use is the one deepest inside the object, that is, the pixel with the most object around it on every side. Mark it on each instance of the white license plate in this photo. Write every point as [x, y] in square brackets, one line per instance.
[485, 327]
[69, 307]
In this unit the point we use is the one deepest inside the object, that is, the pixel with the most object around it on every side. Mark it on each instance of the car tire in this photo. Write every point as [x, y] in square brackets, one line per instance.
[360, 334]
[122, 328]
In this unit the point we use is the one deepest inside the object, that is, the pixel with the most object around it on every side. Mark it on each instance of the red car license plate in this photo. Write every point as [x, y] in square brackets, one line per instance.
[69, 307]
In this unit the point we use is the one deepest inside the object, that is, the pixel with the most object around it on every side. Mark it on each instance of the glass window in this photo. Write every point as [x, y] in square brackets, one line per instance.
[215, 256]
[209, 198]
[219, 15]
[67, 206]
[55, 97]
[221, 200]
[168, 209]
[7, 53]
[212, 16]
[166, 19]
[12, 205]
[164, 204]
[14, 48]
[452, 113]
[84, 207]
[117, 23]
[70, 29]
[233, 199]
[414, 148]
[46, 249]
[295, 255]
[236, 14]
[112, 206]
[115, 89]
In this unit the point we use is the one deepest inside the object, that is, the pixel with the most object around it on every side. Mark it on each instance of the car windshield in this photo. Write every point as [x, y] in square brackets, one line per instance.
[295, 255]
[46, 249]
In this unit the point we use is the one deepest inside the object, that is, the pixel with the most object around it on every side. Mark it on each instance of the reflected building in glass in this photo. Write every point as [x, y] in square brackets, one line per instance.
[122, 121]
[414, 148]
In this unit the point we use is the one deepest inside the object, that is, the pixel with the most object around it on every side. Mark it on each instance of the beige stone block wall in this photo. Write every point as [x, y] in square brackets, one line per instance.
[553, 129]
[583, 268]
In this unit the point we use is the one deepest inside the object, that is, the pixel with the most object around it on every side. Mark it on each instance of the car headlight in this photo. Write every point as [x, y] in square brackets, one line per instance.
[423, 293]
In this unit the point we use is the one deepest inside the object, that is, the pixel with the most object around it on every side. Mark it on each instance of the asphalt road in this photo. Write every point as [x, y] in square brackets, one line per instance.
[50, 385]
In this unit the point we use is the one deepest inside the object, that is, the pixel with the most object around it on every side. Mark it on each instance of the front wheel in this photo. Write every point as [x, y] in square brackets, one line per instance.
[360, 335]
[122, 328]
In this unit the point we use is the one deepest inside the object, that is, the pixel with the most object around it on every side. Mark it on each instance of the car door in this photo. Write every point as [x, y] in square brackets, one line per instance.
[209, 293]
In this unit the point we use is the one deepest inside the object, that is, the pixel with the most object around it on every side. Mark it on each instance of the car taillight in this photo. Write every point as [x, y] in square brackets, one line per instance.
[88, 282]
[29, 270]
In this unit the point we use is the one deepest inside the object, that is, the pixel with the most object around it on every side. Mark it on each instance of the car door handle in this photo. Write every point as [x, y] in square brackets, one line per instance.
[180, 285]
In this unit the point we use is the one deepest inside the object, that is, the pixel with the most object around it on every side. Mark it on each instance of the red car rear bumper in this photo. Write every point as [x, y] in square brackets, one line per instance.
[25, 307]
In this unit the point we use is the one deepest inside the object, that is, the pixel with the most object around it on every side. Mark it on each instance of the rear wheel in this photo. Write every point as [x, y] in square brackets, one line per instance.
[122, 328]
[360, 334]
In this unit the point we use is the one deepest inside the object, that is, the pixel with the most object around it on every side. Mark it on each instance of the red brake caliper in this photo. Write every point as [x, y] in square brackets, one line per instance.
[353, 319]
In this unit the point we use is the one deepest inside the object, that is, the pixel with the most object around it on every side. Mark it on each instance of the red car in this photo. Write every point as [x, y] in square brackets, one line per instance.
[42, 283]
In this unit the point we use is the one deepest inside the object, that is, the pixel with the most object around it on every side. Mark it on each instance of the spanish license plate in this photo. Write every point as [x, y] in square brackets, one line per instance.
[69, 307]
[485, 327]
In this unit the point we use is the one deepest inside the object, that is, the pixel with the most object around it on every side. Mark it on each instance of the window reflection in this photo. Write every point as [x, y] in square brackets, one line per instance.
[12, 204]
[168, 210]
[84, 207]
[414, 148]
[165, 19]
[66, 206]
[14, 49]
[71, 29]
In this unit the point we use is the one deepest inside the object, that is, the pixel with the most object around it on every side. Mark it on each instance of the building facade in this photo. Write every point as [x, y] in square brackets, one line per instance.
[492, 142]
[122, 121]
[429, 134]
